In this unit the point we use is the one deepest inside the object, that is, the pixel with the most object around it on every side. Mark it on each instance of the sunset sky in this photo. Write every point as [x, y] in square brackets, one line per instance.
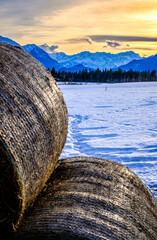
[73, 26]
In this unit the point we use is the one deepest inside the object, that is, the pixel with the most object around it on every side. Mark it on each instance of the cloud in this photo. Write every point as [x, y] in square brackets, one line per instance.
[112, 44]
[25, 12]
[78, 25]
[34, 20]
[104, 38]
[142, 48]
[79, 40]
[49, 49]
[53, 48]
[136, 48]
[124, 7]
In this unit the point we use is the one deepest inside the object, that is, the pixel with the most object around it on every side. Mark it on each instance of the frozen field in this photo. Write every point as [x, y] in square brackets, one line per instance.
[117, 122]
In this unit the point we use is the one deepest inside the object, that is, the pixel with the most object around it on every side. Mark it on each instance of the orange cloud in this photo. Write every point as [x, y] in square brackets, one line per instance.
[71, 24]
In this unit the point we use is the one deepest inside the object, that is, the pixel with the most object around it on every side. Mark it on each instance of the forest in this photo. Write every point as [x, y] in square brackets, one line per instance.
[105, 76]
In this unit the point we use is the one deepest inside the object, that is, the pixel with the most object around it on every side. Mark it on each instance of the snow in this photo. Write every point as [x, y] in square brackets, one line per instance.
[95, 60]
[117, 122]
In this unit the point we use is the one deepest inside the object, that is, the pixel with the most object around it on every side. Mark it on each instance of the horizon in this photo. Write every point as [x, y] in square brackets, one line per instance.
[78, 52]
[49, 52]
[76, 26]
[124, 51]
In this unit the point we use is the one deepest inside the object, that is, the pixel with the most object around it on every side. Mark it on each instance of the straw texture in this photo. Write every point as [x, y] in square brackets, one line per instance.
[92, 198]
[33, 130]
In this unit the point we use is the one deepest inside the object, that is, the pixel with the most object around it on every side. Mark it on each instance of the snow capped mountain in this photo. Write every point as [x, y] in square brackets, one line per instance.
[9, 41]
[42, 56]
[96, 60]
[145, 64]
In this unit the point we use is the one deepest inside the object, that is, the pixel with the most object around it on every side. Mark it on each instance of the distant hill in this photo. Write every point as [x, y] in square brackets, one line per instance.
[42, 56]
[145, 64]
[96, 60]
[9, 41]
[76, 68]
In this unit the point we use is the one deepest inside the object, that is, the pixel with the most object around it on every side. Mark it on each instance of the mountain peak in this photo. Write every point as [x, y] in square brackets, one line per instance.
[9, 41]
[44, 58]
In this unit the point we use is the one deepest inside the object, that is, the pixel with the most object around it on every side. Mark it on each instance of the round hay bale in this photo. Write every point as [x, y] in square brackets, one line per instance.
[33, 130]
[91, 198]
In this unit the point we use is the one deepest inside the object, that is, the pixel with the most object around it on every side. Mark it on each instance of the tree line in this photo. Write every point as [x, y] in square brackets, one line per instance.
[104, 76]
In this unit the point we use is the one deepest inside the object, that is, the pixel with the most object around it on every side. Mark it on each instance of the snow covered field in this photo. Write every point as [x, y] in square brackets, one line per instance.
[117, 122]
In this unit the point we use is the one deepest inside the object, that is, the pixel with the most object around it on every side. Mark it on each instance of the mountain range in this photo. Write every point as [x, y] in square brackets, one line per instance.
[87, 60]
[96, 60]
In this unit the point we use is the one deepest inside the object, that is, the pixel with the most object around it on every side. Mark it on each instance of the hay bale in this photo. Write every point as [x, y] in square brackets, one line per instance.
[91, 198]
[33, 130]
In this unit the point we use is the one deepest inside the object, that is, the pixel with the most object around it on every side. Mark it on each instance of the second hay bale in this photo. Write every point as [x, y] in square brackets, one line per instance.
[91, 198]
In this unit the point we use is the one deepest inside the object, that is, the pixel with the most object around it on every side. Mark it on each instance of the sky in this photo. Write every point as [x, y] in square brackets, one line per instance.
[74, 26]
